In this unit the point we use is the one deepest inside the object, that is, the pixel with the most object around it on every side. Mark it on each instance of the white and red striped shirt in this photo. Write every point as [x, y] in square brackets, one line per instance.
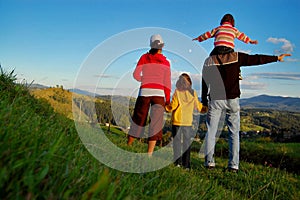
[224, 35]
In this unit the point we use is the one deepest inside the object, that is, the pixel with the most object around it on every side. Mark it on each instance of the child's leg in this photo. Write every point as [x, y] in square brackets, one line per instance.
[221, 50]
[176, 144]
[186, 146]
[214, 51]
[240, 75]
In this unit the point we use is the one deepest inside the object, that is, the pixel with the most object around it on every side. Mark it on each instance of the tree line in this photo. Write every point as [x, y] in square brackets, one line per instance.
[280, 125]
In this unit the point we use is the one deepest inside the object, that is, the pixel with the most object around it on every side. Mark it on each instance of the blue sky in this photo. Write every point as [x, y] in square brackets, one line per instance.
[48, 41]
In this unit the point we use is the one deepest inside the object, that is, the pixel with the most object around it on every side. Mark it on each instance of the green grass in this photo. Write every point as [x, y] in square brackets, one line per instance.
[42, 157]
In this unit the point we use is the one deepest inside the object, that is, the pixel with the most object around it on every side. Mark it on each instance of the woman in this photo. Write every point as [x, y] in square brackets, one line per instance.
[153, 71]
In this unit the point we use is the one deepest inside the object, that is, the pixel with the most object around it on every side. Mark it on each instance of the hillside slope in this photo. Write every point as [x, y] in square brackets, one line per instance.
[61, 100]
[41, 154]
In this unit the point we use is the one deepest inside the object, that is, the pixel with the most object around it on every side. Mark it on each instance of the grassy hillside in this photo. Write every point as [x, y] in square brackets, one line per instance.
[42, 157]
[61, 101]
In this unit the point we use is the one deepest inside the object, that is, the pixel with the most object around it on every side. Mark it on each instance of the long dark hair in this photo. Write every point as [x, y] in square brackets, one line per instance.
[184, 83]
[153, 51]
[227, 18]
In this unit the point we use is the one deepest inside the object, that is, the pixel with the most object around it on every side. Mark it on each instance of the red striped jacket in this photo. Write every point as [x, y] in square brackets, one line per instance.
[224, 35]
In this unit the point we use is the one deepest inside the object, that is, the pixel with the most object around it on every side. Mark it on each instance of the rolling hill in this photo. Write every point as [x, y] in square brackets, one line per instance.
[61, 101]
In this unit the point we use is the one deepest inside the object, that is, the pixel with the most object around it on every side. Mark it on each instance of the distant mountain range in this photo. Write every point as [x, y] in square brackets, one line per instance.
[82, 92]
[272, 102]
[37, 86]
[257, 102]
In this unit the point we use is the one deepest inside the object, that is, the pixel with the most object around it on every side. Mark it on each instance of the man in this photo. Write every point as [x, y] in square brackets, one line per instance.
[220, 95]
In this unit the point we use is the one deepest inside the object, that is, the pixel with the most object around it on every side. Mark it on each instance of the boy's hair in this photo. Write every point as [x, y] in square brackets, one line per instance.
[227, 18]
[185, 83]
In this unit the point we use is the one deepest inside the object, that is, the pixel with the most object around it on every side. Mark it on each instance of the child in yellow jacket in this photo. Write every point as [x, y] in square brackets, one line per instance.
[184, 102]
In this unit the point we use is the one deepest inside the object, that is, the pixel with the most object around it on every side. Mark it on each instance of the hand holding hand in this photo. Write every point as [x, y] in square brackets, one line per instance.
[168, 108]
[204, 110]
[280, 57]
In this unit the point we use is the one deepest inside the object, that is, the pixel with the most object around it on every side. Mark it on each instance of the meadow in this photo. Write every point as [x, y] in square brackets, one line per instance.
[42, 157]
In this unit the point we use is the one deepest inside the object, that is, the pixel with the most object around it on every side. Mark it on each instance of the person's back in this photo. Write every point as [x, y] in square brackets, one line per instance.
[221, 73]
[153, 71]
[183, 105]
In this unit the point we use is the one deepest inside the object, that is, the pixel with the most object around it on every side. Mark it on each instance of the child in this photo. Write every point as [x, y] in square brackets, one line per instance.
[224, 36]
[184, 102]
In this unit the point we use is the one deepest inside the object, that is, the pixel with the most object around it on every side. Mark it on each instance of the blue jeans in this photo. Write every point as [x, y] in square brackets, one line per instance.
[218, 112]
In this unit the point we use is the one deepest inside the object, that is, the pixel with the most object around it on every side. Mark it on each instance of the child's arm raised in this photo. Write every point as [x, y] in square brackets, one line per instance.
[253, 42]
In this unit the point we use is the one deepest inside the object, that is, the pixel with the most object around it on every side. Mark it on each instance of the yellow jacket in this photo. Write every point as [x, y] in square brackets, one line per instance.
[183, 105]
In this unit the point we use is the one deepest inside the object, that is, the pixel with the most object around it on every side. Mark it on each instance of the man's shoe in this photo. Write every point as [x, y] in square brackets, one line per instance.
[210, 167]
[232, 170]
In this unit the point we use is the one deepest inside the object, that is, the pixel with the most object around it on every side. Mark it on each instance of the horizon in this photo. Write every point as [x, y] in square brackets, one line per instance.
[87, 93]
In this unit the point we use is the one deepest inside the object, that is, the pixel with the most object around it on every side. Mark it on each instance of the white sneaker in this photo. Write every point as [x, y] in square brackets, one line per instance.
[210, 165]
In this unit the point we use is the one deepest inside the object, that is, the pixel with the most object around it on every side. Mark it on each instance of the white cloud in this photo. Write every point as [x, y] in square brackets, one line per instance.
[287, 46]
[247, 85]
[196, 78]
[278, 75]
[292, 60]
[106, 76]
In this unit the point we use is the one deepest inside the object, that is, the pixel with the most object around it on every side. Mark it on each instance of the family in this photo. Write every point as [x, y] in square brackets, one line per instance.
[220, 94]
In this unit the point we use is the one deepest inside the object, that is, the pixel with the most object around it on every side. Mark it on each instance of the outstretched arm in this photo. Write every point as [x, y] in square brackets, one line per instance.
[253, 42]
[250, 60]
[281, 57]
[206, 35]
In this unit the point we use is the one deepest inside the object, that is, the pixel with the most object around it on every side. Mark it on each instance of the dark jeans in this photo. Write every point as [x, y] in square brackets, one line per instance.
[182, 150]
[221, 50]
[139, 118]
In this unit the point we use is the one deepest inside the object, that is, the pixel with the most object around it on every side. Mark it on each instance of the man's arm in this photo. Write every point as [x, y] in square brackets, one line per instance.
[249, 60]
